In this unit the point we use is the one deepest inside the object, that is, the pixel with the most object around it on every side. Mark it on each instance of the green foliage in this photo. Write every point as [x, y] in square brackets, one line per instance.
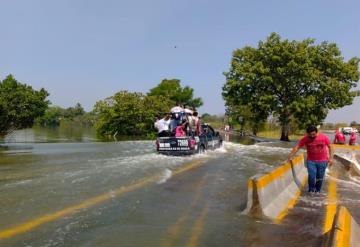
[20, 104]
[356, 93]
[51, 117]
[172, 90]
[290, 80]
[87, 119]
[73, 112]
[55, 116]
[128, 113]
[206, 117]
[216, 121]
[242, 114]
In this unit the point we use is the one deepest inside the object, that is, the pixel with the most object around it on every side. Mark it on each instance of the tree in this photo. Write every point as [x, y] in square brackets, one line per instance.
[253, 120]
[55, 115]
[128, 113]
[353, 124]
[172, 90]
[20, 104]
[75, 111]
[206, 117]
[51, 117]
[290, 80]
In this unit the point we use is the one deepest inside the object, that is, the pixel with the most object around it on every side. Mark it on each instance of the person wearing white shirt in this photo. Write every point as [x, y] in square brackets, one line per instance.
[162, 126]
[195, 123]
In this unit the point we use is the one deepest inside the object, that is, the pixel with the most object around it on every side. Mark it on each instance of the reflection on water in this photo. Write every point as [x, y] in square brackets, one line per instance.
[56, 134]
[245, 140]
[65, 133]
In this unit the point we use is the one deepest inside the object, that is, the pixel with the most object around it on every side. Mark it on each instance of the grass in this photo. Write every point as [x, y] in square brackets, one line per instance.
[216, 125]
[273, 134]
[276, 134]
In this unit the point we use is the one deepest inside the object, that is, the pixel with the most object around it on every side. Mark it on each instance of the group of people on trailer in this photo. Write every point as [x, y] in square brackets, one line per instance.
[341, 139]
[180, 121]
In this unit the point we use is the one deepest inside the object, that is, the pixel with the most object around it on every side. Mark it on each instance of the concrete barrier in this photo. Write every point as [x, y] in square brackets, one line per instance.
[343, 160]
[274, 193]
[348, 147]
[350, 164]
[345, 232]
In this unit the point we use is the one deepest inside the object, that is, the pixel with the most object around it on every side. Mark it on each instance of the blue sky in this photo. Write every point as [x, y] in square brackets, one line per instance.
[85, 50]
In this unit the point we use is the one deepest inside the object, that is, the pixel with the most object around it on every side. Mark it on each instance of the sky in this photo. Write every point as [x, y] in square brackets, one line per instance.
[85, 50]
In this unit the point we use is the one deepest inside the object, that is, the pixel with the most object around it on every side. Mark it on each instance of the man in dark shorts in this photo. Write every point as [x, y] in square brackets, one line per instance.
[317, 148]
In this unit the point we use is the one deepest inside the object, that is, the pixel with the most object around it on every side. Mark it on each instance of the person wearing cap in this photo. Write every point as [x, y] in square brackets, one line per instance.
[317, 148]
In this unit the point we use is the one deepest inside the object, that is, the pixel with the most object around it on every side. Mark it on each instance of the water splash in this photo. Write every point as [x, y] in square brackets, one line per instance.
[167, 173]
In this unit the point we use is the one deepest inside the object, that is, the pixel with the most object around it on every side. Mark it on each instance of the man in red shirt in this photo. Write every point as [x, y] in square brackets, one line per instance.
[352, 140]
[317, 148]
[339, 137]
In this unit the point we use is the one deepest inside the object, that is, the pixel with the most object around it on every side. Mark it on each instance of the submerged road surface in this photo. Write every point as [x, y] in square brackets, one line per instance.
[124, 194]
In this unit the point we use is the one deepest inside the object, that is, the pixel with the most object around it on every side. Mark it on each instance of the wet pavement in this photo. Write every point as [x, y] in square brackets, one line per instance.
[85, 193]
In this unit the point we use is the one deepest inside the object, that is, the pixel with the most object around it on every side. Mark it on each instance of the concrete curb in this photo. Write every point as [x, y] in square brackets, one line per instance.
[350, 165]
[345, 232]
[273, 194]
[348, 147]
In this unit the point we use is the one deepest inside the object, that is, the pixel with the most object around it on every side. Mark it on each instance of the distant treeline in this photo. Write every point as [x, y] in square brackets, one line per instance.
[220, 120]
[55, 116]
[124, 113]
[333, 126]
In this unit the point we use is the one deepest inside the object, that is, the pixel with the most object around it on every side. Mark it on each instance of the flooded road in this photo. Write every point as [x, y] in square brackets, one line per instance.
[86, 193]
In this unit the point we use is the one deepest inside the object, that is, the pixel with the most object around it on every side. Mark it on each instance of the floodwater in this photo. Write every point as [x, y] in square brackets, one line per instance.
[66, 189]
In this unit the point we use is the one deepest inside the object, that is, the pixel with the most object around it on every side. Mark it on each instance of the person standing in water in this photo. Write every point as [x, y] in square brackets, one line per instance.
[339, 137]
[317, 148]
[353, 137]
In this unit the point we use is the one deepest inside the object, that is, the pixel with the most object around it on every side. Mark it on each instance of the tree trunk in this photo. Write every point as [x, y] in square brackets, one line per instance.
[285, 129]
[285, 123]
[254, 132]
